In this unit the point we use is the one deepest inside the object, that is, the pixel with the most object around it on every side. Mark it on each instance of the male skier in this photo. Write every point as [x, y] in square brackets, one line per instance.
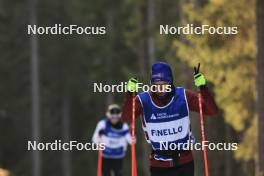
[115, 135]
[166, 118]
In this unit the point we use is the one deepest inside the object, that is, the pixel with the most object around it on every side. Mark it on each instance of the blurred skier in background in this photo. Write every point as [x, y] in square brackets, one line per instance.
[116, 136]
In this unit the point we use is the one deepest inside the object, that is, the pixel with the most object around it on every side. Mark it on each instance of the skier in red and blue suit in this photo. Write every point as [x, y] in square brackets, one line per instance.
[165, 118]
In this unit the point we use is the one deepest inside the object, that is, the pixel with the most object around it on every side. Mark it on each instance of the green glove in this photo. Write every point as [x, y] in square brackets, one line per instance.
[132, 85]
[199, 79]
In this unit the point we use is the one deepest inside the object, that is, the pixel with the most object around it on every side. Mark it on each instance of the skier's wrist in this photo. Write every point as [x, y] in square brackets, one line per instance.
[203, 87]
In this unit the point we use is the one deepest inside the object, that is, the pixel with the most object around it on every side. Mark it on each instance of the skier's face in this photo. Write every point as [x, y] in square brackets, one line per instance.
[115, 115]
[160, 88]
[115, 118]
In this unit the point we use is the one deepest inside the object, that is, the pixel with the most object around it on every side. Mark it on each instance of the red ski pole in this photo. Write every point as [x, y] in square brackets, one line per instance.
[203, 135]
[100, 161]
[133, 147]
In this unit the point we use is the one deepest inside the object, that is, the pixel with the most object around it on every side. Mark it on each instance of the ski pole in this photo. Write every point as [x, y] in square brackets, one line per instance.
[99, 164]
[133, 147]
[203, 135]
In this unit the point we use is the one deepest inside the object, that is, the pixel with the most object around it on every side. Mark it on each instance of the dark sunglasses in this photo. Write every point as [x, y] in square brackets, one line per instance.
[115, 111]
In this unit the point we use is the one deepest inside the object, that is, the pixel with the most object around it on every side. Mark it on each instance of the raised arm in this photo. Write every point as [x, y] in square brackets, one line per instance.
[209, 105]
[127, 107]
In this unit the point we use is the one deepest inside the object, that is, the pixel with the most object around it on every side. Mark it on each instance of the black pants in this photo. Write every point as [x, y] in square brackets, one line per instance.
[183, 170]
[112, 165]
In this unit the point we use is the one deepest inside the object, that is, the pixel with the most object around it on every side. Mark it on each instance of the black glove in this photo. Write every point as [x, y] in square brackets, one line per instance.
[101, 132]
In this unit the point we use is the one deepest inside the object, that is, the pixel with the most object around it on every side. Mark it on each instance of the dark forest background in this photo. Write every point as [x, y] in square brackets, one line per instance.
[46, 90]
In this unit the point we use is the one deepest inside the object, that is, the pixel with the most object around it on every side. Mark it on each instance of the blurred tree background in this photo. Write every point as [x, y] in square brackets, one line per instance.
[63, 68]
